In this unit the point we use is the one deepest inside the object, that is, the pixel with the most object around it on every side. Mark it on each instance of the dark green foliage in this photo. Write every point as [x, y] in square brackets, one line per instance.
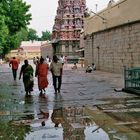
[9, 131]
[18, 17]
[46, 36]
[14, 18]
[32, 35]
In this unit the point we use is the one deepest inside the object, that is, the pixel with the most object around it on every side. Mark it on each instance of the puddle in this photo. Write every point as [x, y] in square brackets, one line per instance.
[72, 123]
[56, 118]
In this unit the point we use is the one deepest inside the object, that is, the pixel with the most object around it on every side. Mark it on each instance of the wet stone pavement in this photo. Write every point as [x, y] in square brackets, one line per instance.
[87, 108]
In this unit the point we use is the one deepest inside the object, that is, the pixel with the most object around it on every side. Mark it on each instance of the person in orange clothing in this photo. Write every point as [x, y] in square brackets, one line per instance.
[14, 63]
[42, 73]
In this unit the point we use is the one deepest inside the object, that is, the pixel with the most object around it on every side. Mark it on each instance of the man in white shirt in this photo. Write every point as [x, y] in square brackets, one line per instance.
[56, 69]
[61, 60]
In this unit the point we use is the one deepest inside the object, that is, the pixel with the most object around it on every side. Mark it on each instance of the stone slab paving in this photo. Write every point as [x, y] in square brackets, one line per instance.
[82, 88]
[78, 88]
[87, 101]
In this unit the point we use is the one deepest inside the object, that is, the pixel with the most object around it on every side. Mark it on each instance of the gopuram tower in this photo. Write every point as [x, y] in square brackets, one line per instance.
[67, 27]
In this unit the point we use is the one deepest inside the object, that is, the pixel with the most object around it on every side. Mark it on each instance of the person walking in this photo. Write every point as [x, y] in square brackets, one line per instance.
[47, 59]
[14, 63]
[27, 72]
[57, 116]
[34, 60]
[56, 70]
[61, 59]
[41, 73]
[1, 59]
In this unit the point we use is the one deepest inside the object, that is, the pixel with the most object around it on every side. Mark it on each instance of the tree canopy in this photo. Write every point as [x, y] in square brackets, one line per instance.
[46, 35]
[14, 18]
[32, 35]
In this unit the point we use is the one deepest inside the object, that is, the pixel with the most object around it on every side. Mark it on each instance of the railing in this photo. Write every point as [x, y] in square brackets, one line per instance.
[132, 80]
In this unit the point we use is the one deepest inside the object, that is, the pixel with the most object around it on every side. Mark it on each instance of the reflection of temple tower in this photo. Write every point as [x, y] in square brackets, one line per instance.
[73, 126]
[67, 26]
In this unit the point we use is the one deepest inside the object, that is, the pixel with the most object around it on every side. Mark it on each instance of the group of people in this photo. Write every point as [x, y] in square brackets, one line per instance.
[41, 72]
[46, 60]
[89, 68]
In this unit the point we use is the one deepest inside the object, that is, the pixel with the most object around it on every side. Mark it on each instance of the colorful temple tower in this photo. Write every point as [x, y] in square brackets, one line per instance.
[67, 27]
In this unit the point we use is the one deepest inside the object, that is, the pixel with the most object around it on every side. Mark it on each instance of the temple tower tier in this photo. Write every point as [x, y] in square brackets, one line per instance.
[67, 27]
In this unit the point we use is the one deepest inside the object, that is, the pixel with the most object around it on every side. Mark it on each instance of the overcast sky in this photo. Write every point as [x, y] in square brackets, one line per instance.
[44, 11]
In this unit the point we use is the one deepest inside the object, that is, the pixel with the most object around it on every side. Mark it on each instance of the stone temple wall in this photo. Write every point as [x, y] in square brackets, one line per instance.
[114, 48]
[112, 37]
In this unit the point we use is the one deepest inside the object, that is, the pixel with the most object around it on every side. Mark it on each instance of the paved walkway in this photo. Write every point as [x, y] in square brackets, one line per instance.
[78, 87]
[86, 99]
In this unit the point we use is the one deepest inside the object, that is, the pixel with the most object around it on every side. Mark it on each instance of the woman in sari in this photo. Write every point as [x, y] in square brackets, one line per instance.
[27, 72]
[41, 73]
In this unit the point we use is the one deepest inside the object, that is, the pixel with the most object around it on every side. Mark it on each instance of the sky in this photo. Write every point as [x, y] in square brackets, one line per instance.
[44, 12]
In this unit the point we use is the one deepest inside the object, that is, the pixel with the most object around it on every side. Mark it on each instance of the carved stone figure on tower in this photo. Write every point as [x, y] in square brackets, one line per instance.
[69, 11]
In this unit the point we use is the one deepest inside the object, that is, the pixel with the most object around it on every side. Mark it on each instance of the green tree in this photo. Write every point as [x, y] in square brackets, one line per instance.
[32, 35]
[17, 11]
[15, 17]
[46, 35]
[19, 37]
[4, 32]
[9, 131]
[22, 35]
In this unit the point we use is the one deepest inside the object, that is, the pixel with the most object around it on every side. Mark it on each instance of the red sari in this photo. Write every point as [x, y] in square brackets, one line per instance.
[42, 72]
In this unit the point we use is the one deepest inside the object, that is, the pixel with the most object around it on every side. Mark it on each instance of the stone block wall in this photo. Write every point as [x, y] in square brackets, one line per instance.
[114, 48]
[46, 50]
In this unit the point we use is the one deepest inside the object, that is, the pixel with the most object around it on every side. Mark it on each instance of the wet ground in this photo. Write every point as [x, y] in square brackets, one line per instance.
[87, 108]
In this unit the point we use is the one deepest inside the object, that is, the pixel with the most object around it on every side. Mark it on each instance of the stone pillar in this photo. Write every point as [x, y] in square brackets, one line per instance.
[70, 48]
[63, 48]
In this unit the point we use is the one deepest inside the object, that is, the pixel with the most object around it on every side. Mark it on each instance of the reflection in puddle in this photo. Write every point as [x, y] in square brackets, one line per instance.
[99, 134]
[47, 134]
[67, 123]
[49, 120]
